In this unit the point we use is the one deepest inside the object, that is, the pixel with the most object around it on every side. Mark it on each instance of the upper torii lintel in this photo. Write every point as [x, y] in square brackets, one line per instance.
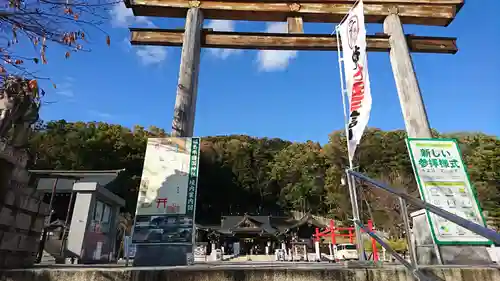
[422, 12]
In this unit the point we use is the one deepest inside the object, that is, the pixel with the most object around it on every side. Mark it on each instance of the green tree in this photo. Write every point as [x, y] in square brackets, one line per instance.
[241, 174]
[299, 172]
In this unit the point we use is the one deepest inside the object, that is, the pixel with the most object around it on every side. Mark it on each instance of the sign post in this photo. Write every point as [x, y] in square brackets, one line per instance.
[164, 228]
[352, 33]
[443, 181]
[129, 249]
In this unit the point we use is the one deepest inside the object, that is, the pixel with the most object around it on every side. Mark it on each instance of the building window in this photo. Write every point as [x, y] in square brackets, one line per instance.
[102, 217]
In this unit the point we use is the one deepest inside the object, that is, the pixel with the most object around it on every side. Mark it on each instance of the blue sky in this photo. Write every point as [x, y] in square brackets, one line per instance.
[291, 95]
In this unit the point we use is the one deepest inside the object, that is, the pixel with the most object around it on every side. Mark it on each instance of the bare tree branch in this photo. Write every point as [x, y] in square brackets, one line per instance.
[42, 22]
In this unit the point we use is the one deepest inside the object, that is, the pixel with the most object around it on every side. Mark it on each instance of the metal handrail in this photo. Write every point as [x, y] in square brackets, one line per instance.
[412, 268]
[476, 228]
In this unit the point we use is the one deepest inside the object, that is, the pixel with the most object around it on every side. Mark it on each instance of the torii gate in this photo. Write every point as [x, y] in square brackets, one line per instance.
[391, 13]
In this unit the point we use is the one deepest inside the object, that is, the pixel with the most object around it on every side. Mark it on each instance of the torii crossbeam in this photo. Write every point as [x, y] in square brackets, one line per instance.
[392, 13]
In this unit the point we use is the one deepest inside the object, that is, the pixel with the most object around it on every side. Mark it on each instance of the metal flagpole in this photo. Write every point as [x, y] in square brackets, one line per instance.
[350, 180]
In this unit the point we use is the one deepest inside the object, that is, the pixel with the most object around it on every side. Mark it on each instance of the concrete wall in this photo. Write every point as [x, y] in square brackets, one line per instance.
[276, 274]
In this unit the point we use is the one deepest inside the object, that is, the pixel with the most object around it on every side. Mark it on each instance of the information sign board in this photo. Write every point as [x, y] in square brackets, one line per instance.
[167, 194]
[443, 181]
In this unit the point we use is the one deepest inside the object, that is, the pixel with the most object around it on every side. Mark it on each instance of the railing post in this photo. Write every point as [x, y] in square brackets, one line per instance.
[409, 241]
[355, 213]
[438, 253]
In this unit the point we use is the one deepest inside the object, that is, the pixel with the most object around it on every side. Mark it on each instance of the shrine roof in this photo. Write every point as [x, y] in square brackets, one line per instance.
[271, 225]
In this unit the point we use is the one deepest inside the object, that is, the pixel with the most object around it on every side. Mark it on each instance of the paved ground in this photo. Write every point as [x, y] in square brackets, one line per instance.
[246, 265]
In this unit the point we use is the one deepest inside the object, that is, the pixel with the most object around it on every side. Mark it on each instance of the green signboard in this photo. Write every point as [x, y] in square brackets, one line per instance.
[443, 181]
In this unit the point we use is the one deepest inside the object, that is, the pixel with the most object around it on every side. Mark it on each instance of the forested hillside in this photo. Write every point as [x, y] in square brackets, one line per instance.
[266, 175]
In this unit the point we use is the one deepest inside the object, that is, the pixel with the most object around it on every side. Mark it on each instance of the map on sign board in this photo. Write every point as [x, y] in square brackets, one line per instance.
[167, 194]
[169, 177]
[443, 181]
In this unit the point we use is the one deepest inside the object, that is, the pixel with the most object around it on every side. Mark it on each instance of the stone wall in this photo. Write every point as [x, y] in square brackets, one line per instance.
[492, 222]
[224, 273]
[22, 212]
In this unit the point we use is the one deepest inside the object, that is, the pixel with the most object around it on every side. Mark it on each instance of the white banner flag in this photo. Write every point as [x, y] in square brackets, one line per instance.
[353, 37]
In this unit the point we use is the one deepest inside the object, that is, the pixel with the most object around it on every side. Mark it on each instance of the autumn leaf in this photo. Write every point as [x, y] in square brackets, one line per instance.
[40, 21]
[33, 84]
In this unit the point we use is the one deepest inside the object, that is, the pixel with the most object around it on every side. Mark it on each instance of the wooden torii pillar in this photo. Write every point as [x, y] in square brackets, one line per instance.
[187, 86]
[410, 97]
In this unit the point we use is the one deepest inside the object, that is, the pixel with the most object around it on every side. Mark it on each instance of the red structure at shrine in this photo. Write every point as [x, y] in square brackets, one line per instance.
[348, 232]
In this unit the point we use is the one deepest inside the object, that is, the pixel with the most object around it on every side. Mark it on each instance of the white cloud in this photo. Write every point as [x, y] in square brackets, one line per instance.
[121, 16]
[66, 93]
[222, 25]
[273, 60]
[99, 114]
[126, 44]
[65, 88]
[151, 54]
